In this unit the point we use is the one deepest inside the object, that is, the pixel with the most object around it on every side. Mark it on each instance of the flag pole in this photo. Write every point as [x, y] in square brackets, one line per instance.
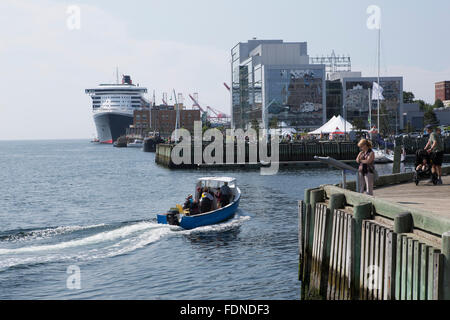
[379, 56]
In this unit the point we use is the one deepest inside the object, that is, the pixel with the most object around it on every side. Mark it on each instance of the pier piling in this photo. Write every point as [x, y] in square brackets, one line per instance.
[356, 246]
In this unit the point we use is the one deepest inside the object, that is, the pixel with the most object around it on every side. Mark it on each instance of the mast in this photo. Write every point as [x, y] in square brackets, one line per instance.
[117, 74]
[379, 57]
[370, 110]
[177, 115]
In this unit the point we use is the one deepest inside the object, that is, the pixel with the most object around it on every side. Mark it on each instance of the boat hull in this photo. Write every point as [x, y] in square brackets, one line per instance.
[110, 126]
[206, 219]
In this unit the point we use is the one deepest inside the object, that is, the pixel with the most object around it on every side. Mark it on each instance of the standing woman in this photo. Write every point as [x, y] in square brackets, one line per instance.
[366, 161]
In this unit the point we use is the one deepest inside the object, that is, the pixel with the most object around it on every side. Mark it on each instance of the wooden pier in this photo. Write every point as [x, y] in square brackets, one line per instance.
[393, 246]
[290, 154]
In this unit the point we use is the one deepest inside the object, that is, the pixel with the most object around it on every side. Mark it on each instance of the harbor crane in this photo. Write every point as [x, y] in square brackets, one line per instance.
[217, 116]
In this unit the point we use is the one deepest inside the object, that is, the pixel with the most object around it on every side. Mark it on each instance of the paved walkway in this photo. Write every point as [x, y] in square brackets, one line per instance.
[426, 196]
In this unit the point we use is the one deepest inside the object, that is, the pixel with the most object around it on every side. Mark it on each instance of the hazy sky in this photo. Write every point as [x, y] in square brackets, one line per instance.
[185, 45]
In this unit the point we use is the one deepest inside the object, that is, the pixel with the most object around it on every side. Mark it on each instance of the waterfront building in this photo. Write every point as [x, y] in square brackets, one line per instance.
[442, 92]
[274, 85]
[162, 119]
[348, 95]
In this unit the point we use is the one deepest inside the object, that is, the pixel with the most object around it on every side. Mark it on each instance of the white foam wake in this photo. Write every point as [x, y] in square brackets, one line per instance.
[221, 227]
[101, 237]
[124, 240]
[47, 233]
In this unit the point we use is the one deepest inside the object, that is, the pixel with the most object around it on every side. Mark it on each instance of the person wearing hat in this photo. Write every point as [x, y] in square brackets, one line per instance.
[435, 148]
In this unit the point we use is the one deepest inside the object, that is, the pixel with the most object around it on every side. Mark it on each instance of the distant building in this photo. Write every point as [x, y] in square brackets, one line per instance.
[413, 116]
[162, 119]
[442, 90]
[273, 84]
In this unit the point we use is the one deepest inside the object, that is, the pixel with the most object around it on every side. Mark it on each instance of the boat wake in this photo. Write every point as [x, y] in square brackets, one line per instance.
[21, 248]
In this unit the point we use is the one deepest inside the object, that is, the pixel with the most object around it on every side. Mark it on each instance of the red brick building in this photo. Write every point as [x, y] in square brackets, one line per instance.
[443, 90]
[162, 119]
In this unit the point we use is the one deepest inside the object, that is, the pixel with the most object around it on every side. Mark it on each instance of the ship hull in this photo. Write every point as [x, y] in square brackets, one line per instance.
[111, 126]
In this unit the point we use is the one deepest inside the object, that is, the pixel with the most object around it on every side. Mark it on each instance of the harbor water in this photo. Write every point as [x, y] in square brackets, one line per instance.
[74, 204]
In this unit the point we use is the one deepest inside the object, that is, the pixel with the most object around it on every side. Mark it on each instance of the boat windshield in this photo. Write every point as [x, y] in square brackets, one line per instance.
[216, 182]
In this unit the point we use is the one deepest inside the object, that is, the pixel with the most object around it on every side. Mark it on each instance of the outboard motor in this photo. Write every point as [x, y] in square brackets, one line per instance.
[172, 218]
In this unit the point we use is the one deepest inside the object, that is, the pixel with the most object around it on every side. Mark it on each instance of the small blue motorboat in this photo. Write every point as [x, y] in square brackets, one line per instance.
[186, 220]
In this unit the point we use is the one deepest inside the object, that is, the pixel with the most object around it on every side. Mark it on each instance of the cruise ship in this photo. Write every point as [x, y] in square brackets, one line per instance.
[113, 106]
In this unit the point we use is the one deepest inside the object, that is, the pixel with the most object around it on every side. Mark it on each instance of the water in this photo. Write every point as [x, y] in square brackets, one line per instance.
[72, 203]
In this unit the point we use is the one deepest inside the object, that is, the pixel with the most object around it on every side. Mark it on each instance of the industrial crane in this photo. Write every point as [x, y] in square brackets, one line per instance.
[218, 116]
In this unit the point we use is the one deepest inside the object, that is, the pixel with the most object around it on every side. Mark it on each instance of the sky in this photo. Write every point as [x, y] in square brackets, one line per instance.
[185, 45]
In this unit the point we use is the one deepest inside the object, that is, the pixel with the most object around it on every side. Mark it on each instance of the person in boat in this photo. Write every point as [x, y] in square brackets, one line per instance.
[366, 171]
[218, 196]
[225, 195]
[206, 201]
[188, 203]
[195, 209]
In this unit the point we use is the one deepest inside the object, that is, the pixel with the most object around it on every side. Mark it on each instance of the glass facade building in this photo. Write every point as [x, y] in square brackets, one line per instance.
[273, 85]
[356, 100]
[295, 96]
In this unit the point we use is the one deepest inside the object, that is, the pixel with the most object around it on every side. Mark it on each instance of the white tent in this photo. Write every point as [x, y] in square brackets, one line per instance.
[335, 124]
[284, 130]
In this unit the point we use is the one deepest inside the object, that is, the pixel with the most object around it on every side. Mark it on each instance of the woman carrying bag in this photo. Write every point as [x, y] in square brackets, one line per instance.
[366, 171]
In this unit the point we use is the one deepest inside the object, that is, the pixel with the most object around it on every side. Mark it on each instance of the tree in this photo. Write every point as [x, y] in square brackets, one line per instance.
[408, 97]
[429, 118]
[438, 104]
[358, 124]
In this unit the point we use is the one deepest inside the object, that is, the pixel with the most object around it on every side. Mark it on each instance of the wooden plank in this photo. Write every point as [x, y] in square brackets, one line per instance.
[317, 249]
[376, 263]
[371, 262]
[336, 255]
[404, 267]
[339, 259]
[437, 269]
[301, 252]
[344, 258]
[331, 272]
[318, 245]
[314, 249]
[350, 244]
[424, 271]
[390, 262]
[306, 277]
[430, 290]
[322, 247]
[409, 270]
[367, 246]
[362, 262]
[416, 270]
[381, 263]
[398, 269]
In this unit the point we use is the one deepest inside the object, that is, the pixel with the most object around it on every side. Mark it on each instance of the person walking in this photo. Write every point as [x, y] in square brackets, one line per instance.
[366, 170]
[435, 148]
